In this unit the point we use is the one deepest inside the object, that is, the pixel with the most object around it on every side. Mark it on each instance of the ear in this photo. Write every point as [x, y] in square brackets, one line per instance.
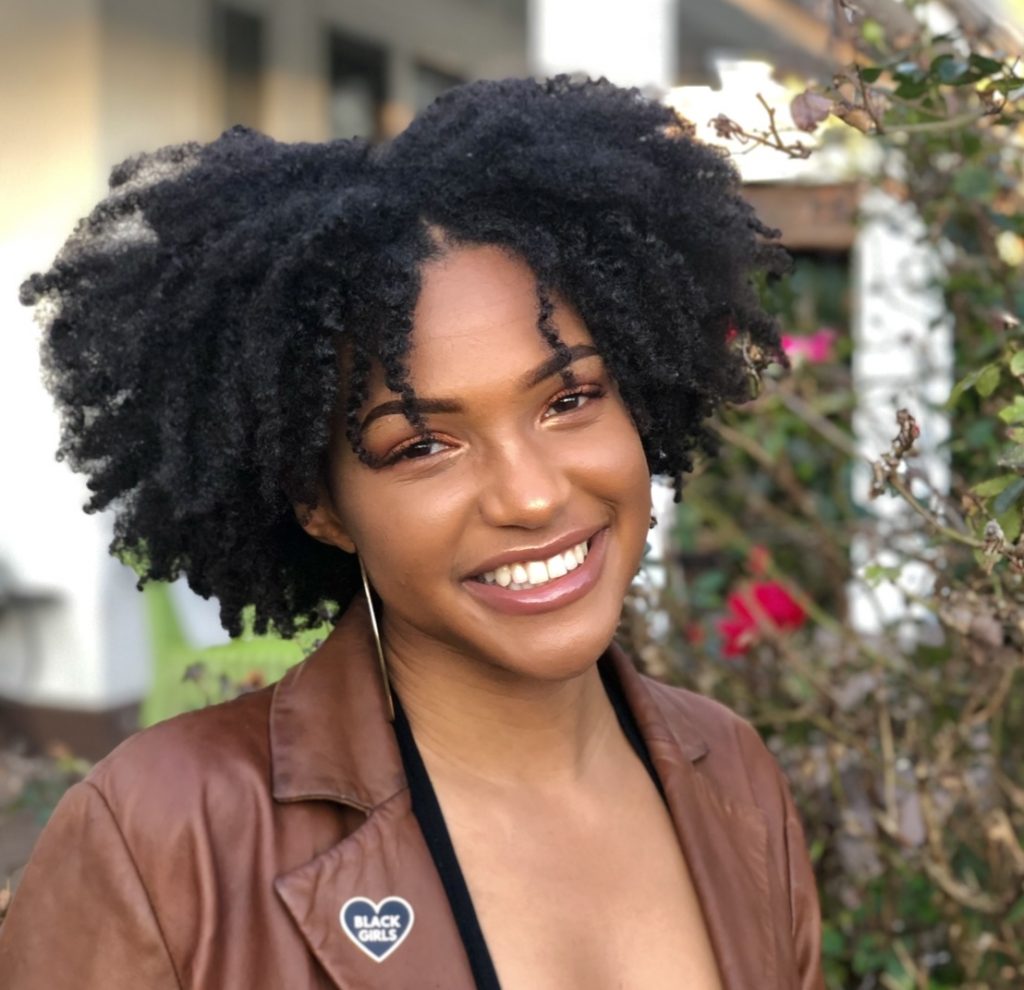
[322, 522]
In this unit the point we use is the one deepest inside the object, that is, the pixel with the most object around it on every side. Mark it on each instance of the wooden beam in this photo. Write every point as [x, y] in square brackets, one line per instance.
[811, 218]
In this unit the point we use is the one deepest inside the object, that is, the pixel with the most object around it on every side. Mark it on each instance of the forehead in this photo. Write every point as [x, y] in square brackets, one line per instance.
[475, 322]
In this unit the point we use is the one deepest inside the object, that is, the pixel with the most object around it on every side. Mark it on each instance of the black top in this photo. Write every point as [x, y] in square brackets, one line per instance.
[428, 813]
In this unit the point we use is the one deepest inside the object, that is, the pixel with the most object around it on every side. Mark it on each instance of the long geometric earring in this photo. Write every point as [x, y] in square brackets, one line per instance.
[376, 639]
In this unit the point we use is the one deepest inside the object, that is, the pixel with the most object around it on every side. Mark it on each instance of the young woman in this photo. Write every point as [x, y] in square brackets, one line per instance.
[418, 390]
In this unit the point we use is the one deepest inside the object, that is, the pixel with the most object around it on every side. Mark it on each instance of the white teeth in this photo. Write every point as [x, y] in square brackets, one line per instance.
[556, 566]
[536, 572]
[531, 573]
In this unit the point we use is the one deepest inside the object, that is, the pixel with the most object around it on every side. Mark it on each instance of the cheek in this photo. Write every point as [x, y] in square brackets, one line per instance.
[401, 530]
[615, 461]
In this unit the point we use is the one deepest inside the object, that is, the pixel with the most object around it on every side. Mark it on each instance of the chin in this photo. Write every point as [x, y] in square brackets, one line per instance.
[557, 646]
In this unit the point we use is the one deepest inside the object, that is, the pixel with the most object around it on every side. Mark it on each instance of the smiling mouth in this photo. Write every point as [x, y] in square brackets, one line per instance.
[536, 573]
[542, 590]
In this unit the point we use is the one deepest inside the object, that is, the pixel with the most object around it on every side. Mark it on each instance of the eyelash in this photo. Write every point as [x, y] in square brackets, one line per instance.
[580, 391]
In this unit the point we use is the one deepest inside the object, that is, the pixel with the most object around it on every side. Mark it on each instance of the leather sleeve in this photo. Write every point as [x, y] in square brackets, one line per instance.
[81, 917]
[805, 910]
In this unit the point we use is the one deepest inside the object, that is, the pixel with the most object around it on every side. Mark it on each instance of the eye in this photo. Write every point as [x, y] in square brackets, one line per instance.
[569, 402]
[423, 447]
[416, 449]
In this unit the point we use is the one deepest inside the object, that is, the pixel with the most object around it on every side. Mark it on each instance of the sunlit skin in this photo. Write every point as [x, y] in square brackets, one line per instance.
[543, 795]
[516, 469]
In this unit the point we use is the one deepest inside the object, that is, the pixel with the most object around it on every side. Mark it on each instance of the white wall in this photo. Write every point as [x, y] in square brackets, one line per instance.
[633, 44]
[51, 172]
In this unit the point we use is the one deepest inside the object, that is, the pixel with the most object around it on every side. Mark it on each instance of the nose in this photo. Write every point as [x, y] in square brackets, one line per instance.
[522, 484]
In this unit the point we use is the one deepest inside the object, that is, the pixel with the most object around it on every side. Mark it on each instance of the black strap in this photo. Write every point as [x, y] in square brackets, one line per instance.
[435, 832]
[428, 813]
[630, 729]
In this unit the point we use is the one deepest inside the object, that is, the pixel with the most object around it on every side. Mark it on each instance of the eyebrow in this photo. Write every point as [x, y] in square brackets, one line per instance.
[554, 364]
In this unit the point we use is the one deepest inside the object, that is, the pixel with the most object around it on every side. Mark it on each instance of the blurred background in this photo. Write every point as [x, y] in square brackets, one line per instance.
[86, 83]
[790, 590]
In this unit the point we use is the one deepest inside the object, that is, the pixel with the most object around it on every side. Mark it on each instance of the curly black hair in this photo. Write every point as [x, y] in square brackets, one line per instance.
[192, 323]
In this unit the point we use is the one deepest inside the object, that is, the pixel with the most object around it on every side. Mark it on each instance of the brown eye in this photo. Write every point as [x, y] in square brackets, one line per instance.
[423, 447]
[571, 401]
[568, 402]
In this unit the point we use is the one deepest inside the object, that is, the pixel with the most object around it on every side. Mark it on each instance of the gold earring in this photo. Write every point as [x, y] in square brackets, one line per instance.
[376, 639]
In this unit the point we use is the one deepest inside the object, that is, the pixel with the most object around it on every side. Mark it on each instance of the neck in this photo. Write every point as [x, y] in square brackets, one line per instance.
[476, 722]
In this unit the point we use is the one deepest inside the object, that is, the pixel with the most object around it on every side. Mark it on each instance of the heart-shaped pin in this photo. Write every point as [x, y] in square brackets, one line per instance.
[377, 929]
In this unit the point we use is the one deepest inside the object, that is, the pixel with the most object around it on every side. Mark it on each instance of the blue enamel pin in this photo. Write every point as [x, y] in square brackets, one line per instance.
[377, 929]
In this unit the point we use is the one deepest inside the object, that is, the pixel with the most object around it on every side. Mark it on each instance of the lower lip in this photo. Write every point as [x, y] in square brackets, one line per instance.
[545, 597]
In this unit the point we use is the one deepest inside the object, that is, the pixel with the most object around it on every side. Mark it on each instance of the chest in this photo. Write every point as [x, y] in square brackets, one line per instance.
[586, 898]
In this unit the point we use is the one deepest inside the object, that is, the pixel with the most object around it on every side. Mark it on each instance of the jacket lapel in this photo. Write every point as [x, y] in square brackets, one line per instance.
[331, 740]
[725, 843]
[397, 931]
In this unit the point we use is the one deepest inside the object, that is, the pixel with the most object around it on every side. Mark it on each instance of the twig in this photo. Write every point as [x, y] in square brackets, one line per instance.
[844, 443]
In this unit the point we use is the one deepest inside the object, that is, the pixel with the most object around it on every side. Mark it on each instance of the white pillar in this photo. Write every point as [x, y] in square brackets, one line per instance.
[903, 357]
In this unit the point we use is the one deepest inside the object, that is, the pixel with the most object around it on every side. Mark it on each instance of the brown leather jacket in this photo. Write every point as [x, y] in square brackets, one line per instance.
[216, 850]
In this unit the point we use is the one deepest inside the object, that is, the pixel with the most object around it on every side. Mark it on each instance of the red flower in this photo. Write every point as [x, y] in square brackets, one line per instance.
[758, 604]
[815, 348]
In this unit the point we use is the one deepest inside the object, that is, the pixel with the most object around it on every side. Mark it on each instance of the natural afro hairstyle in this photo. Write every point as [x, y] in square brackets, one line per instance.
[192, 323]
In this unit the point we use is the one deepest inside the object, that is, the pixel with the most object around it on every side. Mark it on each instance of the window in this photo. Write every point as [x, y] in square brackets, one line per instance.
[358, 72]
[431, 83]
[239, 46]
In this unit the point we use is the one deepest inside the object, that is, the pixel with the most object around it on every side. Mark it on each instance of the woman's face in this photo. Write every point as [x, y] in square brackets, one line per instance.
[510, 532]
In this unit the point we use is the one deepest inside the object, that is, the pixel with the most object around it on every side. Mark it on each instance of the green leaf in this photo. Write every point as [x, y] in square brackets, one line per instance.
[873, 32]
[912, 89]
[1008, 497]
[948, 69]
[994, 485]
[1006, 85]
[981, 433]
[875, 574]
[871, 73]
[975, 182]
[1010, 523]
[1013, 413]
[833, 943]
[967, 382]
[988, 380]
[986, 66]
[1017, 363]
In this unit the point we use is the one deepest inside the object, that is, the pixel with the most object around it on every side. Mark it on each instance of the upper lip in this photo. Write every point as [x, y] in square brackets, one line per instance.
[519, 554]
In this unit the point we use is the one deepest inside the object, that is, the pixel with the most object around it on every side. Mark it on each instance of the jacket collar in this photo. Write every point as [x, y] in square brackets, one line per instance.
[652, 719]
[331, 740]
